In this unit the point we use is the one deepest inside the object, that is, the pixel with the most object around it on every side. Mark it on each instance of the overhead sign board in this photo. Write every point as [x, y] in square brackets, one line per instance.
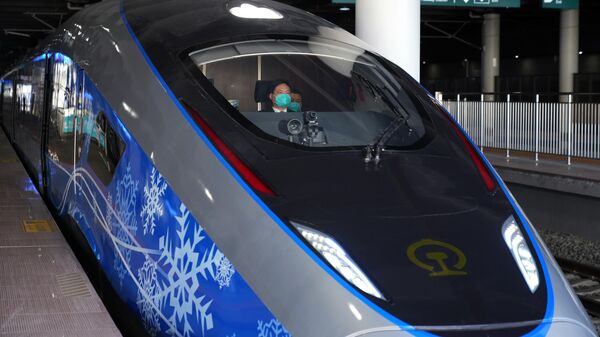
[562, 4]
[459, 3]
[474, 3]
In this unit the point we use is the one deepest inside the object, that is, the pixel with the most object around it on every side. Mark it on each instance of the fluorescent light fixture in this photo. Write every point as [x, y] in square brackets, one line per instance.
[337, 257]
[249, 11]
[520, 251]
[344, 9]
[10, 32]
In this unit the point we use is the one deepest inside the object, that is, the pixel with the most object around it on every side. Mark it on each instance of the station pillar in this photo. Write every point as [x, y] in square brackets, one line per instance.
[490, 54]
[569, 49]
[393, 28]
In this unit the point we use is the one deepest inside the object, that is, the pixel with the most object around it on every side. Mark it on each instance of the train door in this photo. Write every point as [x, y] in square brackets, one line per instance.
[60, 149]
[8, 90]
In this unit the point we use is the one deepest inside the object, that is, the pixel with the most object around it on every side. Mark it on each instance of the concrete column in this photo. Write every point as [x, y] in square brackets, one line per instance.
[490, 55]
[393, 28]
[569, 49]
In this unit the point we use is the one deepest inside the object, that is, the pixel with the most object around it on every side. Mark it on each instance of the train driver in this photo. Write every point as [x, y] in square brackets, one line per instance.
[280, 96]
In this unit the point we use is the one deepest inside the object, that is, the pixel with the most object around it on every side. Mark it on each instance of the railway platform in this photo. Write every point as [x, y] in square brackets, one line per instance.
[551, 174]
[43, 289]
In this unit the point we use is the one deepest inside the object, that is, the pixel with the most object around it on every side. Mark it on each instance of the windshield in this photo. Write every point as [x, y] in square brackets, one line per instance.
[313, 93]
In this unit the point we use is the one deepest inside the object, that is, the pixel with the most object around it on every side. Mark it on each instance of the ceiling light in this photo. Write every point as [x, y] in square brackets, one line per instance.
[344, 9]
[248, 11]
[580, 52]
[516, 56]
[10, 32]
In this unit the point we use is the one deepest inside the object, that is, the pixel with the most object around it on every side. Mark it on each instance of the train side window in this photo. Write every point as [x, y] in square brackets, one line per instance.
[105, 150]
[28, 115]
[7, 102]
[65, 84]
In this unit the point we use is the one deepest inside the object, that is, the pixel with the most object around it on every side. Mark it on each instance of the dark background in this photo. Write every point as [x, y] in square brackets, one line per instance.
[448, 65]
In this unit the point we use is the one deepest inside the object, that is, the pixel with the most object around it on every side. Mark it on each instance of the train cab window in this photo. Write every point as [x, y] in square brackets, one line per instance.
[106, 148]
[316, 93]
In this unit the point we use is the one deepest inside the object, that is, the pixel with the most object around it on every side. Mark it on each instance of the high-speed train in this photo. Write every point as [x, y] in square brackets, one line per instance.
[244, 168]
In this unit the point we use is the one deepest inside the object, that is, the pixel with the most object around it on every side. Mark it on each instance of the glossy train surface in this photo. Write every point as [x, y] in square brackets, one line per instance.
[154, 126]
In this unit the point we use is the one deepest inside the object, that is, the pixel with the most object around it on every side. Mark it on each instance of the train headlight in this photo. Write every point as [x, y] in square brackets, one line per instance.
[520, 251]
[337, 257]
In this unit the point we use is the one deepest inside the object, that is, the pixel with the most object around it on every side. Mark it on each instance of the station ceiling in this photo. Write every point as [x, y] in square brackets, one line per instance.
[448, 34]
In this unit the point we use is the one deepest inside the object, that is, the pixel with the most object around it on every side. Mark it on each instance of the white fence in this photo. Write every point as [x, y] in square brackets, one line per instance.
[566, 129]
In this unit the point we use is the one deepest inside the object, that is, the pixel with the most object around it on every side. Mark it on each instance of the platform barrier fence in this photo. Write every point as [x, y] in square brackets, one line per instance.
[564, 127]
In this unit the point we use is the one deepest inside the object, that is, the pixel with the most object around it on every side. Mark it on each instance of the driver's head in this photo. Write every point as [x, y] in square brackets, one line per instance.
[280, 94]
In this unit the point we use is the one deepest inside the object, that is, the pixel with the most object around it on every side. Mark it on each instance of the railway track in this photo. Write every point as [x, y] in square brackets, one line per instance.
[585, 280]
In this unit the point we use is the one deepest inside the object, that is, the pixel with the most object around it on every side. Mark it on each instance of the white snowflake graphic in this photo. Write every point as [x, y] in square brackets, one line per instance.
[126, 199]
[225, 271]
[121, 218]
[181, 262]
[272, 329]
[153, 207]
[75, 212]
[147, 301]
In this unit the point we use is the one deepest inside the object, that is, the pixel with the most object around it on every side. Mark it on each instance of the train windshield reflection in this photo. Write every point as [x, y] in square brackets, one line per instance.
[314, 93]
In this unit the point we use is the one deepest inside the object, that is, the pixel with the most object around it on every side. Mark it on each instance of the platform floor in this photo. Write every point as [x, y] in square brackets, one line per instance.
[43, 288]
[547, 166]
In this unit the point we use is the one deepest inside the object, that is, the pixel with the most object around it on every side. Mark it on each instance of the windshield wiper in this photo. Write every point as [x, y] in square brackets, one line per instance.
[373, 151]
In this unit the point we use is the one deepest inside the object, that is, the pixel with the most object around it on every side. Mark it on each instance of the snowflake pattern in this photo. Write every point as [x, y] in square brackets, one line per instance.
[122, 221]
[147, 301]
[272, 329]
[225, 271]
[181, 261]
[153, 206]
[126, 199]
[171, 272]
[76, 213]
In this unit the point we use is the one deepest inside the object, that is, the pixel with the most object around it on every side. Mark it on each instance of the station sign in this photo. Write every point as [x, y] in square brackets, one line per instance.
[562, 4]
[474, 3]
[460, 3]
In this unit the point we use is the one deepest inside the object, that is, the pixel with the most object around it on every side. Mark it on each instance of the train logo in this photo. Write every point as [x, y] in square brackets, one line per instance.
[437, 252]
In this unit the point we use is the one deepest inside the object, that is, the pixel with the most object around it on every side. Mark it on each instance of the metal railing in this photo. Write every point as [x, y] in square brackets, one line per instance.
[561, 125]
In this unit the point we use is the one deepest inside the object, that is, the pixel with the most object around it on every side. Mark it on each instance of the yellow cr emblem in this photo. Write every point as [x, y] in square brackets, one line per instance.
[435, 251]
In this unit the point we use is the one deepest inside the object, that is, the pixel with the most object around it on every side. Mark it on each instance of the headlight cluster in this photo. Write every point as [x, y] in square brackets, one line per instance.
[337, 257]
[520, 251]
